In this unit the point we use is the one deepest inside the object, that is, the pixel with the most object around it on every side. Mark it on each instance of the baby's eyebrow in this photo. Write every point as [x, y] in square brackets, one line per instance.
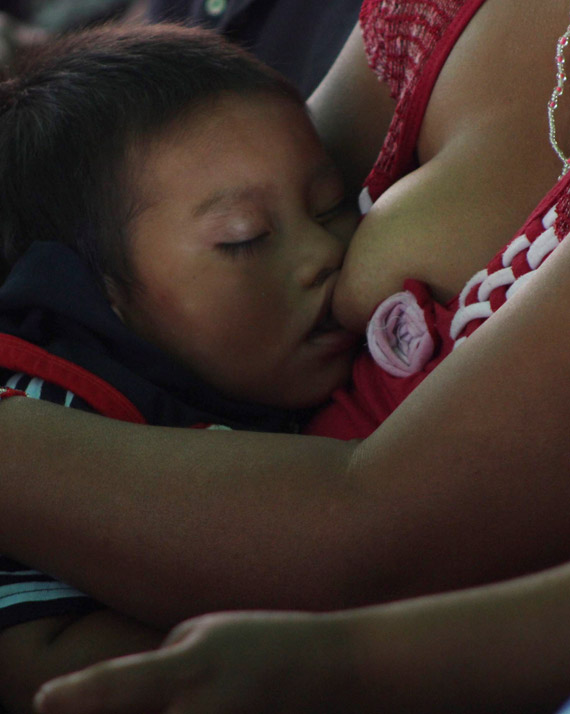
[226, 197]
[220, 200]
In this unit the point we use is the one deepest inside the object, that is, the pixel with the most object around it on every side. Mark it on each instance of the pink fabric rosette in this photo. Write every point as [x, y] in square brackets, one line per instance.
[398, 336]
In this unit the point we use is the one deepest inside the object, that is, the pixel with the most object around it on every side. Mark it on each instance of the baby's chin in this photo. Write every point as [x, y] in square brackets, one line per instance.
[313, 396]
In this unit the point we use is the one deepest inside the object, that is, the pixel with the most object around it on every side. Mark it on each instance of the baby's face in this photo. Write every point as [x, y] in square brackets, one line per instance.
[238, 252]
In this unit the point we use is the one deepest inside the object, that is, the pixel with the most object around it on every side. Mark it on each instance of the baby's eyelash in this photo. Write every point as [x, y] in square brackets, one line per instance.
[332, 212]
[245, 248]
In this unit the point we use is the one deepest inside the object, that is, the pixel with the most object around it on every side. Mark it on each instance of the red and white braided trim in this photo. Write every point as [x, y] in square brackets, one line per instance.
[490, 288]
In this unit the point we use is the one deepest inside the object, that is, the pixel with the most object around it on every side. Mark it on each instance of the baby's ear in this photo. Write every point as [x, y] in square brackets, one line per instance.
[113, 295]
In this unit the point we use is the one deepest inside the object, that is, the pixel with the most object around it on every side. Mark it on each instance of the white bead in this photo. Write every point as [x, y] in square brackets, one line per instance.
[215, 8]
[556, 94]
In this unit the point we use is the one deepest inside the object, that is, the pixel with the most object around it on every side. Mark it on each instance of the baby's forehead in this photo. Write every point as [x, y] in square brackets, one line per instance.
[199, 122]
[199, 113]
[207, 125]
[234, 155]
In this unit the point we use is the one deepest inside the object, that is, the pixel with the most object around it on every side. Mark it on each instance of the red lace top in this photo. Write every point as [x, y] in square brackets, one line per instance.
[407, 43]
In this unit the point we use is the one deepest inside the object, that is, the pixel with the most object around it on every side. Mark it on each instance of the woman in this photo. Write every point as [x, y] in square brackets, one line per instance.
[451, 490]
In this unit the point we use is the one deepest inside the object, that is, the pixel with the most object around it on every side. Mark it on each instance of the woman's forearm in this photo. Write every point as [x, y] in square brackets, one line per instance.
[165, 523]
[501, 648]
[352, 112]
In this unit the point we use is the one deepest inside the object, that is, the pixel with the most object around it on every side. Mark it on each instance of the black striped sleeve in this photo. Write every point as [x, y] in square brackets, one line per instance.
[27, 595]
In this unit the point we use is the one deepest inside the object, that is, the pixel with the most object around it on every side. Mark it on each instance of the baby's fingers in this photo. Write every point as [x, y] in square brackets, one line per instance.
[138, 684]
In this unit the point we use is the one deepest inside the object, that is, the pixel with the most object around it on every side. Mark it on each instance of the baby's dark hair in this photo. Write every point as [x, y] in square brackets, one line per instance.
[69, 114]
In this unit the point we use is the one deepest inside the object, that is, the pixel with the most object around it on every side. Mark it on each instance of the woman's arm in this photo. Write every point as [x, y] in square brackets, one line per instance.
[352, 112]
[468, 481]
[162, 523]
[501, 648]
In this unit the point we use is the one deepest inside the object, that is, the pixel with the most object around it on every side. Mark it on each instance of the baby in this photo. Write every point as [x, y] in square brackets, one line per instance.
[174, 230]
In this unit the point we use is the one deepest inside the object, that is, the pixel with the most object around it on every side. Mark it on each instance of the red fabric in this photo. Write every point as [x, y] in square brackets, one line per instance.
[407, 43]
[533, 230]
[21, 356]
[354, 412]
[6, 393]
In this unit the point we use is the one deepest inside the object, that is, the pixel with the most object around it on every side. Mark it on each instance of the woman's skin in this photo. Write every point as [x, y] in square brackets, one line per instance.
[467, 482]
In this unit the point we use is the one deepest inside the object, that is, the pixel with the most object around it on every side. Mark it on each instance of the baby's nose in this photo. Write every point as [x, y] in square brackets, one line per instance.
[321, 256]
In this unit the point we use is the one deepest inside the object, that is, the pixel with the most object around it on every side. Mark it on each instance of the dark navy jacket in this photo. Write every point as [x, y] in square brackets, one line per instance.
[300, 38]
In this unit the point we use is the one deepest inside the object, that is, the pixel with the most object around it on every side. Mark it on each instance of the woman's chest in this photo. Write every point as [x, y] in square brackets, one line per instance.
[486, 127]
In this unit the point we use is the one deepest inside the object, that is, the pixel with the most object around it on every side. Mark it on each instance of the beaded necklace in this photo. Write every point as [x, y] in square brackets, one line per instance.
[557, 93]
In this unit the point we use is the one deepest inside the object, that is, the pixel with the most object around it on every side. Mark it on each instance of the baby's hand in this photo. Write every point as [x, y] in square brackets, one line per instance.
[255, 662]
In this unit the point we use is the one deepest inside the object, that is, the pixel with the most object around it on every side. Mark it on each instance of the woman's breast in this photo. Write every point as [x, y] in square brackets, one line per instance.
[484, 157]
